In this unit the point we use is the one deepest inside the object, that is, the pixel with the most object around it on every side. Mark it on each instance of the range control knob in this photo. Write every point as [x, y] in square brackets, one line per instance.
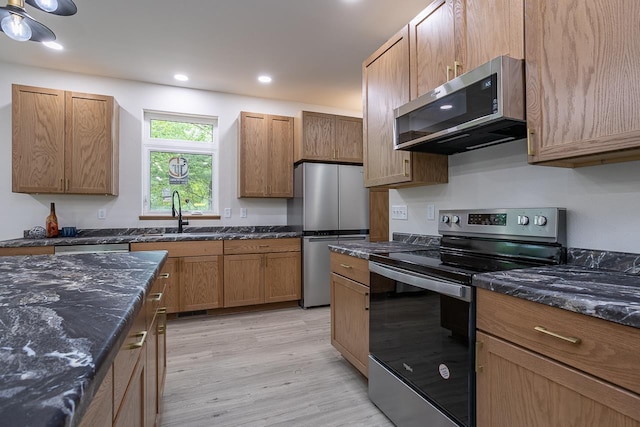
[540, 220]
[523, 220]
[445, 219]
[455, 219]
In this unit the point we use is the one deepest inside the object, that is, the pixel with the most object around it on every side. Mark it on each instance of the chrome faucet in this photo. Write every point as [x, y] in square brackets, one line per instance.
[173, 211]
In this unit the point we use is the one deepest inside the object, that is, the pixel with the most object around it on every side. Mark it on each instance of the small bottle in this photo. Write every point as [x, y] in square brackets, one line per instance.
[52, 222]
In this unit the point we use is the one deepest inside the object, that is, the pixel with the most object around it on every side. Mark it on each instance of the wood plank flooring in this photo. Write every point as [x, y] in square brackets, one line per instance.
[274, 368]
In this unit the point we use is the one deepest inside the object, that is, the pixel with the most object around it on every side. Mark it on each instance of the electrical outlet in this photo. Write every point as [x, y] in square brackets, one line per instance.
[102, 214]
[227, 212]
[431, 212]
[399, 212]
[243, 212]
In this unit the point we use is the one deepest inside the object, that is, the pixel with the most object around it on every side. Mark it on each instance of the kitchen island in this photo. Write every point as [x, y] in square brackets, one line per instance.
[62, 322]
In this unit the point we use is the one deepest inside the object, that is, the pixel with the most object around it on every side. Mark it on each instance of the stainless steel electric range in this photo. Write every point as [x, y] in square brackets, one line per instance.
[422, 310]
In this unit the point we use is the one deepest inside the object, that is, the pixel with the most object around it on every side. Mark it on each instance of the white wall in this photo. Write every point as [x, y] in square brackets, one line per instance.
[603, 202]
[23, 211]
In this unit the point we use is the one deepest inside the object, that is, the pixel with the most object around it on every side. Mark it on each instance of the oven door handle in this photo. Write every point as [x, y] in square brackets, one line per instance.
[455, 290]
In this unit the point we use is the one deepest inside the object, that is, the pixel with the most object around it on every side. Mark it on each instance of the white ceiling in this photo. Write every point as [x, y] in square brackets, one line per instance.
[314, 49]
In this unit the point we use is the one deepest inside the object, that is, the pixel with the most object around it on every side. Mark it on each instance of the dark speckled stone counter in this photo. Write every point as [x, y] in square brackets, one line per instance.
[609, 295]
[136, 235]
[364, 249]
[62, 321]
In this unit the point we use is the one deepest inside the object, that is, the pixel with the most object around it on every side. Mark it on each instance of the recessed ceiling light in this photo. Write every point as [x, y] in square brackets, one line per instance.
[264, 79]
[53, 45]
[181, 77]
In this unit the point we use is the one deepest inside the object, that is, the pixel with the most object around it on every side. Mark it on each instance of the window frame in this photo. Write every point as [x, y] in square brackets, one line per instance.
[149, 144]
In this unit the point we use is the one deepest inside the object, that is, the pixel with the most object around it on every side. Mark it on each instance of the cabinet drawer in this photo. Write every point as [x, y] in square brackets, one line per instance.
[351, 267]
[258, 246]
[606, 349]
[181, 249]
[127, 358]
[154, 299]
[31, 250]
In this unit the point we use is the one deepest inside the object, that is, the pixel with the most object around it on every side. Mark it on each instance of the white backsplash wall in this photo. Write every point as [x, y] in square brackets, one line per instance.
[22, 211]
[602, 202]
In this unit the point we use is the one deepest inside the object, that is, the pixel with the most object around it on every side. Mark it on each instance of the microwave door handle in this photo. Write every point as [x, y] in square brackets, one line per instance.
[423, 282]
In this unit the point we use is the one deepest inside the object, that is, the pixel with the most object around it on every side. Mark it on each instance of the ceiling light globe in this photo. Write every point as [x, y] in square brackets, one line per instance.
[47, 5]
[16, 28]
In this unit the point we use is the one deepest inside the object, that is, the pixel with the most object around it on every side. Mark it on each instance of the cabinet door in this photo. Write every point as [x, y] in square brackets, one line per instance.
[172, 290]
[386, 86]
[254, 146]
[131, 412]
[100, 411]
[318, 136]
[151, 375]
[280, 157]
[433, 50]
[282, 277]
[516, 387]
[348, 142]
[491, 28]
[38, 140]
[583, 99]
[162, 356]
[90, 157]
[243, 280]
[200, 283]
[350, 320]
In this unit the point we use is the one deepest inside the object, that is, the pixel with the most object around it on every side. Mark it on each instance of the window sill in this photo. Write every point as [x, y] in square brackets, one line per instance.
[172, 218]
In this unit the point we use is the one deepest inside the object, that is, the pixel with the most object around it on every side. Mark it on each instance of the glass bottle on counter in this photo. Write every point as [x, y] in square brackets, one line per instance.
[52, 222]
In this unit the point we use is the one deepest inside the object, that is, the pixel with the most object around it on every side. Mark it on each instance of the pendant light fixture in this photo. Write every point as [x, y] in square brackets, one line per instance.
[16, 23]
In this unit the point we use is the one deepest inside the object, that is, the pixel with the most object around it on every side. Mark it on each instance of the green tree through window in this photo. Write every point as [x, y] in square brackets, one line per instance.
[186, 139]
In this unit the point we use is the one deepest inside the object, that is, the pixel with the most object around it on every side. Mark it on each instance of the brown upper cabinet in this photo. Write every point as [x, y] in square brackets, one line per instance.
[451, 37]
[265, 156]
[328, 138]
[64, 142]
[583, 95]
[386, 80]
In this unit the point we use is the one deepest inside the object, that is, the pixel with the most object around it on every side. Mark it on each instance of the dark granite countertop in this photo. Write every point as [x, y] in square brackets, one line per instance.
[62, 321]
[138, 235]
[364, 249]
[608, 295]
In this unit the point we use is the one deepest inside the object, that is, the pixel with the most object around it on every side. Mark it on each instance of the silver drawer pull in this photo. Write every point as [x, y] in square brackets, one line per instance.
[572, 340]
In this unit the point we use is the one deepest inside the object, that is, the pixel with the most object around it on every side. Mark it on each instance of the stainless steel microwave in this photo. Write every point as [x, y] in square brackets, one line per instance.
[482, 107]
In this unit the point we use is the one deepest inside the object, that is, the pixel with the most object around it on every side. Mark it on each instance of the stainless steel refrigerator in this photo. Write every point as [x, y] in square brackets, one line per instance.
[330, 205]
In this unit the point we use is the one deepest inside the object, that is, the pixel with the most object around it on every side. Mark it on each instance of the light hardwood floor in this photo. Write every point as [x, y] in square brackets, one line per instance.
[274, 368]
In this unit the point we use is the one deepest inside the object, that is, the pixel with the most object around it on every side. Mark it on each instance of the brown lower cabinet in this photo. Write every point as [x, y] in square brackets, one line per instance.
[261, 271]
[131, 392]
[195, 273]
[585, 375]
[350, 309]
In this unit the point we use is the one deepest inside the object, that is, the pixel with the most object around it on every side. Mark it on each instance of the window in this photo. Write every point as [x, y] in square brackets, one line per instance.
[180, 153]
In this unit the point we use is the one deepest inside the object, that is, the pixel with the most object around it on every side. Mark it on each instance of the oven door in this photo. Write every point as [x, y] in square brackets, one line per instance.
[422, 331]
